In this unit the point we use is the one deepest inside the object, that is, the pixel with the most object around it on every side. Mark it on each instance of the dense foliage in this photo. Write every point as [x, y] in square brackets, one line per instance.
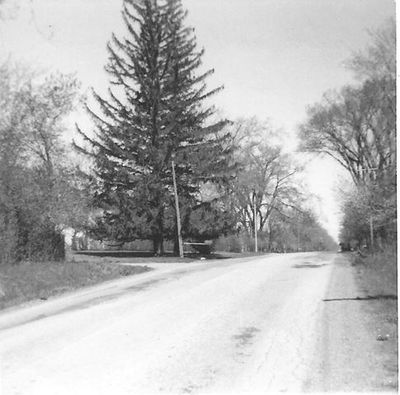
[39, 193]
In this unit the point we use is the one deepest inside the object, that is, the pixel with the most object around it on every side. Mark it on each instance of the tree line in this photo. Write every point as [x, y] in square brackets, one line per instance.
[357, 127]
[40, 191]
[233, 178]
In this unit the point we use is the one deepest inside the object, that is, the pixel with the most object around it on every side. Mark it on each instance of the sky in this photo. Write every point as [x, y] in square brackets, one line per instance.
[273, 57]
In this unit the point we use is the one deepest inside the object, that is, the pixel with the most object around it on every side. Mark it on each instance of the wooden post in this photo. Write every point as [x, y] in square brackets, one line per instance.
[178, 216]
[255, 223]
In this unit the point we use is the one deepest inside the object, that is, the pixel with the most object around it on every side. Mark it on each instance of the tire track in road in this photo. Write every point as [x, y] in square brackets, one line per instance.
[283, 359]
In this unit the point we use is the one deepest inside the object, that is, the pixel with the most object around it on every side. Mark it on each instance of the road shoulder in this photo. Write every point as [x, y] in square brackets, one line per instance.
[350, 355]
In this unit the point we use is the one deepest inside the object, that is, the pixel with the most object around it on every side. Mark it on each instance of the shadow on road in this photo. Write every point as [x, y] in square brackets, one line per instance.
[368, 297]
[308, 265]
[147, 254]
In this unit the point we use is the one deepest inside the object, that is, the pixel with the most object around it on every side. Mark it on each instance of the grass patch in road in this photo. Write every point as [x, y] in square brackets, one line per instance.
[41, 280]
[377, 278]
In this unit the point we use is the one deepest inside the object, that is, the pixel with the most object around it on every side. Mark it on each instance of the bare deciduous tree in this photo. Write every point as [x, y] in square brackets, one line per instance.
[357, 127]
[265, 181]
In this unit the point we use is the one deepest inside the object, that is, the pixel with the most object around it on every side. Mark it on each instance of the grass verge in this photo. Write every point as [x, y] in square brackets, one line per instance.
[139, 257]
[41, 280]
[377, 278]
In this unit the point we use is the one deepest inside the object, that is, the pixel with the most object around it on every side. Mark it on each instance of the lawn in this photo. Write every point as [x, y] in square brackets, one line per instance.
[40, 280]
[27, 281]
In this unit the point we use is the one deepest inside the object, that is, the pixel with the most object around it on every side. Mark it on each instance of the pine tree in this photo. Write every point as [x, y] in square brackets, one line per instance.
[159, 117]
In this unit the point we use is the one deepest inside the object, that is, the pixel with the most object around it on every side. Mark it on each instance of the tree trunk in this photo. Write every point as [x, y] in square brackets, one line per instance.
[176, 247]
[158, 245]
[158, 238]
[155, 245]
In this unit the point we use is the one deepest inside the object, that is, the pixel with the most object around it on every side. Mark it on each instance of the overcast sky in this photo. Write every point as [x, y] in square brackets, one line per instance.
[274, 57]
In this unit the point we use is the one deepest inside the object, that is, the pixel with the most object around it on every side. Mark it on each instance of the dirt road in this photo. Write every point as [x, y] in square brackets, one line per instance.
[218, 327]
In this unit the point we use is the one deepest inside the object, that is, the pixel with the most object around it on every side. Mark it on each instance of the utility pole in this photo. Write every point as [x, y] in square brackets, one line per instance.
[178, 216]
[255, 222]
[371, 231]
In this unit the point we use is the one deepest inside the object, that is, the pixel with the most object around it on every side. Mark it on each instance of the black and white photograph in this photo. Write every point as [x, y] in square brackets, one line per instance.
[198, 197]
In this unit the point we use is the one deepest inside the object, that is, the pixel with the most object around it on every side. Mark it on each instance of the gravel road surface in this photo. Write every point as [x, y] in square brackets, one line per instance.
[227, 326]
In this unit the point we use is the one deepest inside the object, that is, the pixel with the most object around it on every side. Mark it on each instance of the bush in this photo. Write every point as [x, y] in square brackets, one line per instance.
[230, 243]
[46, 244]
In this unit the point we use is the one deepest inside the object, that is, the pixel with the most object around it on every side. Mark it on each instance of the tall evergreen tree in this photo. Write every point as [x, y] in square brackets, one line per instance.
[158, 115]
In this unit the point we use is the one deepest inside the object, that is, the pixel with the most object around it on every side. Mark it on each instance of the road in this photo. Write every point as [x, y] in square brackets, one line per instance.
[227, 326]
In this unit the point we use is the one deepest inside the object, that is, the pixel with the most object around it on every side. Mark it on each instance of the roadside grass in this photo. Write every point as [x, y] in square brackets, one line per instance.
[40, 280]
[377, 278]
[140, 257]
[379, 272]
[121, 257]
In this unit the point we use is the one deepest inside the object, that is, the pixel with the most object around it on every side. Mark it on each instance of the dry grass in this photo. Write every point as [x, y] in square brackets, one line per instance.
[41, 280]
[379, 272]
[377, 277]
